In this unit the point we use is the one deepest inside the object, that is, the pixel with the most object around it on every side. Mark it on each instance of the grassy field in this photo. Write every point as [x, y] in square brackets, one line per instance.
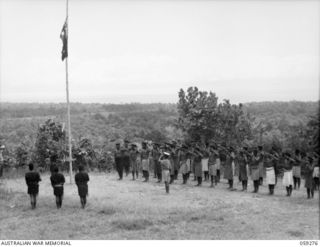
[135, 210]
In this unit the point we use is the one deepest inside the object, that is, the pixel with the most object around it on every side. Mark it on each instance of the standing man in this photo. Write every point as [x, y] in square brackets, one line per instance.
[213, 154]
[82, 179]
[275, 160]
[270, 172]
[176, 161]
[134, 161]
[287, 180]
[261, 166]
[184, 165]
[198, 165]
[155, 153]
[242, 162]
[309, 182]
[204, 163]
[218, 166]
[254, 166]
[222, 156]
[173, 160]
[118, 160]
[126, 157]
[316, 172]
[228, 171]
[32, 181]
[296, 169]
[165, 167]
[57, 181]
[145, 155]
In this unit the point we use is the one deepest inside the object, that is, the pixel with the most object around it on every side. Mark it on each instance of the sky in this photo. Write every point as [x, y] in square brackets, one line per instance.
[145, 51]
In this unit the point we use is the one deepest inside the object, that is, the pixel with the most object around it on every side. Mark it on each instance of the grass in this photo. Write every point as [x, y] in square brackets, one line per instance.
[132, 224]
[134, 210]
[5, 194]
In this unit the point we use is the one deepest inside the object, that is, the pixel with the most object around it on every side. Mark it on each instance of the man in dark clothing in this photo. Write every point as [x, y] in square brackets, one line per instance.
[261, 165]
[197, 165]
[254, 166]
[157, 166]
[269, 163]
[296, 170]
[82, 179]
[309, 182]
[126, 157]
[57, 181]
[242, 161]
[287, 179]
[165, 167]
[32, 181]
[145, 155]
[176, 163]
[134, 162]
[228, 169]
[223, 158]
[118, 161]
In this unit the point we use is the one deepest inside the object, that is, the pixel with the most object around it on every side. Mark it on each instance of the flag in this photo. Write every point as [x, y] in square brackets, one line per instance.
[64, 38]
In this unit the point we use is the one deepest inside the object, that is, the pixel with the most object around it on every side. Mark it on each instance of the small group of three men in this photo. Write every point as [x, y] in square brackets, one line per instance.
[57, 181]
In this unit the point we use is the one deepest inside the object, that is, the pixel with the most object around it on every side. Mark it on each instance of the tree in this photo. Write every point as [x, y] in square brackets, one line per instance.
[198, 114]
[21, 154]
[155, 135]
[233, 125]
[50, 142]
[203, 119]
[312, 133]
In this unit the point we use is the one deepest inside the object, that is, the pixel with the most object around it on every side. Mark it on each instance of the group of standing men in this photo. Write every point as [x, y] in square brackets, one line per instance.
[209, 160]
[57, 180]
[204, 161]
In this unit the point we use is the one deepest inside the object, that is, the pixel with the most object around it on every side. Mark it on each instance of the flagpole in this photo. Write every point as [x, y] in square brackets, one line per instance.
[68, 103]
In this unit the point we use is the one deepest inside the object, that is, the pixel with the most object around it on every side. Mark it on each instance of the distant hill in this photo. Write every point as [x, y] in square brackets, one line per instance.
[24, 110]
[294, 108]
[102, 122]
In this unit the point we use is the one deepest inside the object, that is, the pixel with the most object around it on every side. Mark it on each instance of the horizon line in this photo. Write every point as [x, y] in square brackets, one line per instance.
[149, 103]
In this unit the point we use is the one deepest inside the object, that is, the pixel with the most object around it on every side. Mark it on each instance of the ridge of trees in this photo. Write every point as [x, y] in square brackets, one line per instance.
[287, 125]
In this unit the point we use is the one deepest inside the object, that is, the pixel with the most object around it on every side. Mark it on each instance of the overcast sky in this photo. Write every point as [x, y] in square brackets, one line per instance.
[145, 51]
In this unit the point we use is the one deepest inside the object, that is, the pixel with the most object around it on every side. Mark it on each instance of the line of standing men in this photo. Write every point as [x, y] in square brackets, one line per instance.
[206, 161]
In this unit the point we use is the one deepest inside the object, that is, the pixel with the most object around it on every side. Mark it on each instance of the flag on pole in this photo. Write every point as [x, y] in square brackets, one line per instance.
[64, 38]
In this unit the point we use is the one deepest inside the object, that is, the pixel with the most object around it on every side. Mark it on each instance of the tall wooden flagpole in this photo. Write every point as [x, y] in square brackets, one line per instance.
[68, 103]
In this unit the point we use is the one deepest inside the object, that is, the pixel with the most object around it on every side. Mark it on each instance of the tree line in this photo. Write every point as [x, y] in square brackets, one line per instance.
[29, 130]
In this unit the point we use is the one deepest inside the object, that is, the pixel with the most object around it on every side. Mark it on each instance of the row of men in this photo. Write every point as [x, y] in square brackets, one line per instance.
[209, 159]
[171, 158]
[57, 179]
